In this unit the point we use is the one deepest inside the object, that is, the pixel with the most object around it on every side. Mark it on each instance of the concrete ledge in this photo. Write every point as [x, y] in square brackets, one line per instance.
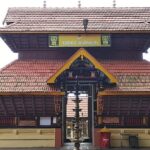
[27, 137]
[119, 137]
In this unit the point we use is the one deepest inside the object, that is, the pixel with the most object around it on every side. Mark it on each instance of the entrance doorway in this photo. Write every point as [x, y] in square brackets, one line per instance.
[82, 75]
[70, 114]
[87, 97]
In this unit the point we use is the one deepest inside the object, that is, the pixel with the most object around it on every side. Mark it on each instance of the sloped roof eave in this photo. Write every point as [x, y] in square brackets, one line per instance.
[30, 76]
[36, 93]
[123, 93]
[14, 31]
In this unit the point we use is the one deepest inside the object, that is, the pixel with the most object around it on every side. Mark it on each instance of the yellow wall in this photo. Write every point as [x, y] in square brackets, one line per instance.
[27, 137]
[119, 137]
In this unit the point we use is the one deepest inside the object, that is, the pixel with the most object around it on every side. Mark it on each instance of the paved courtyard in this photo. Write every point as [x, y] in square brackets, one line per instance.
[84, 146]
[70, 148]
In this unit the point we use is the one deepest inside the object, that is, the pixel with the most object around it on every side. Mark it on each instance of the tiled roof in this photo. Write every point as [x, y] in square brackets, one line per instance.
[28, 76]
[32, 75]
[71, 19]
[132, 75]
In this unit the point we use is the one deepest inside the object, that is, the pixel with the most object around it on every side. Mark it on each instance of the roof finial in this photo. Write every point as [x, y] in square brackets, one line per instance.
[44, 3]
[114, 3]
[79, 4]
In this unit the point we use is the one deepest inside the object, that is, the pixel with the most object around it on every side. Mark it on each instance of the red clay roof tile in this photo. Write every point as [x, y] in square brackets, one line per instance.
[70, 19]
[32, 75]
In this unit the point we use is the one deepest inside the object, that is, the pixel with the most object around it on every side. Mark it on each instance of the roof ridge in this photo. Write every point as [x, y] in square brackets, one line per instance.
[101, 19]
[81, 7]
[68, 9]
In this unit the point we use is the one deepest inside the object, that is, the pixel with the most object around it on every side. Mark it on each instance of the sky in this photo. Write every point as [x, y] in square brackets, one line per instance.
[7, 56]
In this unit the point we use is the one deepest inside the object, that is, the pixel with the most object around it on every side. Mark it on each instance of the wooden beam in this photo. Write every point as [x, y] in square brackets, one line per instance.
[123, 93]
[43, 105]
[76, 32]
[24, 107]
[3, 106]
[31, 93]
[14, 106]
[33, 105]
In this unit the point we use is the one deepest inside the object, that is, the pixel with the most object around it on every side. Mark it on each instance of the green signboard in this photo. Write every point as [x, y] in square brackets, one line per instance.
[79, 40]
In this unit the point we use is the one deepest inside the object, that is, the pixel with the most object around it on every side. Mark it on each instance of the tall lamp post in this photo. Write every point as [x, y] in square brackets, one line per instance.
[77, 109]
[77, 118]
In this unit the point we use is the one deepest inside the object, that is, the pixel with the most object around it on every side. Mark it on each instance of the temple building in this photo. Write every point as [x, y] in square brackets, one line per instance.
[95, 52]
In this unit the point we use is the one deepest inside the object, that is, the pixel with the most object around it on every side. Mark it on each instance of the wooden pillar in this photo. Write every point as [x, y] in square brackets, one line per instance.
[58, 138]
[96, 141]
[96, 137]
